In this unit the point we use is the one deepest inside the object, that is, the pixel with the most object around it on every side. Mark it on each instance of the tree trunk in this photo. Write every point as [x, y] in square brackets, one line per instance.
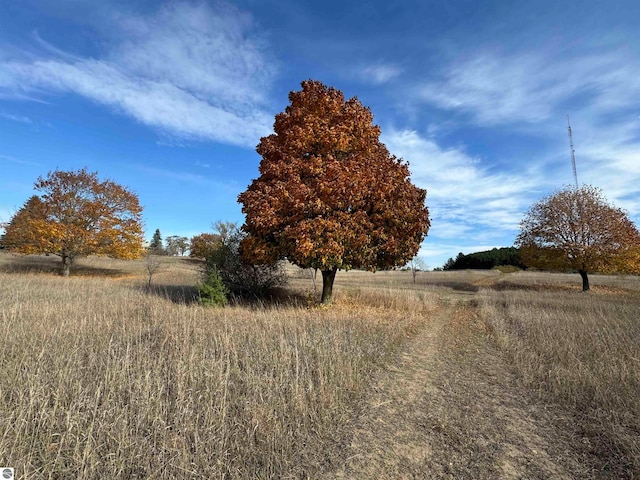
[585, 280]
[328, 276]
[66, 265]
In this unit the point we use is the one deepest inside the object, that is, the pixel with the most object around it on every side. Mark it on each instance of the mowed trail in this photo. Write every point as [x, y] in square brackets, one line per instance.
[451, 408]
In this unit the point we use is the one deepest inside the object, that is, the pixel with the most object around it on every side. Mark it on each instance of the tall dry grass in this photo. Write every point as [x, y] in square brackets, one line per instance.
[580, 350]
[101, 378]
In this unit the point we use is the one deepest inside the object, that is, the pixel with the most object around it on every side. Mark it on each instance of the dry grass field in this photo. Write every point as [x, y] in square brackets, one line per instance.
[101, 378]
[578, 350]
[460, 375]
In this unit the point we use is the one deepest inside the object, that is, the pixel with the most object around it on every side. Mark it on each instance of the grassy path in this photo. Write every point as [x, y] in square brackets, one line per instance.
[450, 408]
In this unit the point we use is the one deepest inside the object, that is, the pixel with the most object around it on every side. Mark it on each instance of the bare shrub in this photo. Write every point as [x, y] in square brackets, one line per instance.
[240, 278]
[152, 264]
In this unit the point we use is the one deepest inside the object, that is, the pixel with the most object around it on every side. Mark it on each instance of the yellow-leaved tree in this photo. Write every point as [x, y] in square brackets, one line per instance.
[77, 215]
[330, 195]
[577, 229]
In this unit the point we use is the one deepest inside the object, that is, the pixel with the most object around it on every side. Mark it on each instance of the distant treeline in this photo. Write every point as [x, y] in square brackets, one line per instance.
[485, 260]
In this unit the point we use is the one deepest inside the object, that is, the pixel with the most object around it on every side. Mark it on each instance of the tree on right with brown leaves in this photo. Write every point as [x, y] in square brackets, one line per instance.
[330, 195]
[577, 229]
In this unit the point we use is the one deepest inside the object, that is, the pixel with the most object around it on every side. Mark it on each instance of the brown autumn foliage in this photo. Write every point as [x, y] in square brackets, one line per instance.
[330, 195]
[77, 215]
[576, 229]
[19, 231]
[203, 245]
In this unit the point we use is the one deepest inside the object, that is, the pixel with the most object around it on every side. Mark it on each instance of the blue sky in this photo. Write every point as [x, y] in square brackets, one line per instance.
[170, 99]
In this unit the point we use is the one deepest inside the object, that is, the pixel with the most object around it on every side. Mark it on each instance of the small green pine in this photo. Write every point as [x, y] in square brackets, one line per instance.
[213, 292]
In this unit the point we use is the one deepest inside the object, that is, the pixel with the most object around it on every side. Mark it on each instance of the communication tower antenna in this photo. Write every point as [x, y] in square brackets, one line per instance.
[573, 152]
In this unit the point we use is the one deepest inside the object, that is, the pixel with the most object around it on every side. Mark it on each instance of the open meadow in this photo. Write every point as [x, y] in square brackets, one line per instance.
[103, 377]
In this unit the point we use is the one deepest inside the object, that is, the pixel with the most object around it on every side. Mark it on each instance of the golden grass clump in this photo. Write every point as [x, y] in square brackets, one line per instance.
[101, 378]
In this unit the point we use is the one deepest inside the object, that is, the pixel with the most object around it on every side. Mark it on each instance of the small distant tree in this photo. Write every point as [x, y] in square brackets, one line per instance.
[152, 264]
[417, 264]
[201, 246]
[451, 263]
[183, 246]
[226, 231]
[176, 245]
[156, 247]
[577, 229]
[78, 215]
[171, 248]
[330, 195]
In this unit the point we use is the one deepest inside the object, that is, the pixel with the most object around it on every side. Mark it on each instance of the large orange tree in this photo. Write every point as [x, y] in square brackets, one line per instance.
[330, 195]
[77, 215]
[577, 229]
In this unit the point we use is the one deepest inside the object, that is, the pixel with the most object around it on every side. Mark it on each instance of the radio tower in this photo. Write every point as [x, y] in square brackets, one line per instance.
[573, 152]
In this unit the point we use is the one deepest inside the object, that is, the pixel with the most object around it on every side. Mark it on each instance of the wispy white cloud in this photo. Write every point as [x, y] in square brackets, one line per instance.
[211, 51]
[461, 188]
[16, 118]
[9, 158]
[187, 177]
[156, 103]
[52, 49]
[190, 70]
[607, 151]
[532, 86]
[13, 95]
[469, 204]
[174, 175]
[380, 73]
[530, 91]
[614, 166]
